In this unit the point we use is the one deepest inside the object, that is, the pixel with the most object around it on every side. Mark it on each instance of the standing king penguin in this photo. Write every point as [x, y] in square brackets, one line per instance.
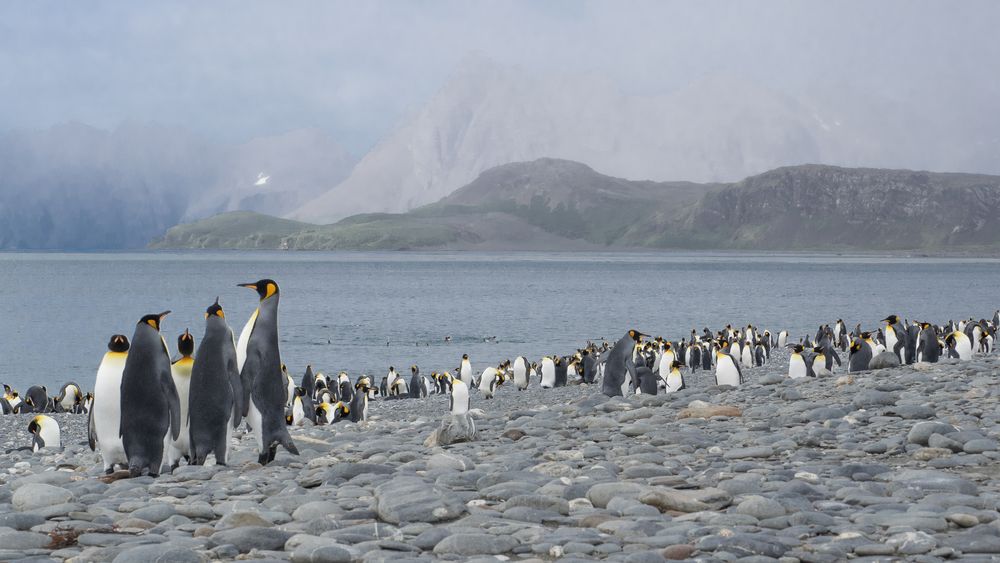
[180, 372]
[619, 368]
[213, 406]
[262, 376]
[150, 407]
[106, 411]
[727, 370]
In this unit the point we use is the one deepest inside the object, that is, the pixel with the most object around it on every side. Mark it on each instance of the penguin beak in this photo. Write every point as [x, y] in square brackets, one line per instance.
[249, 285]
[163, 314]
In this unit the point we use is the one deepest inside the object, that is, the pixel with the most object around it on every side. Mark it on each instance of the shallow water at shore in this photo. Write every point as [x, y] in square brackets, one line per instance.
[339, 310]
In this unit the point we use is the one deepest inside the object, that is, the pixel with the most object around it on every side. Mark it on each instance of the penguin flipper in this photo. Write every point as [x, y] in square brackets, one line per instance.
[173, 403]
[836, 357]
[91, 431]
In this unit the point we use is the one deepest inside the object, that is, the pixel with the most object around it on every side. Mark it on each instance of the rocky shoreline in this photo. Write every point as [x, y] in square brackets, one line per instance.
[892, 464]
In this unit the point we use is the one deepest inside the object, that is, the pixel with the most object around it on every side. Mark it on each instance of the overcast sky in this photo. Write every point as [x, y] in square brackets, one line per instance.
[235, 70]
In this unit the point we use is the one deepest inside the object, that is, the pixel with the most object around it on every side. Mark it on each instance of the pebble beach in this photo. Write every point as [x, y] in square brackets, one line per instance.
[893, 464]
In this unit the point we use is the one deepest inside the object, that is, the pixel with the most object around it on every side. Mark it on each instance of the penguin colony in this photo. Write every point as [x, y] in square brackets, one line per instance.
[148, 412]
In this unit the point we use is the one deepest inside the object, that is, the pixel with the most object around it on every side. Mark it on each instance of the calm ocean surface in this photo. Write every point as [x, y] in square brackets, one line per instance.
[338, 310]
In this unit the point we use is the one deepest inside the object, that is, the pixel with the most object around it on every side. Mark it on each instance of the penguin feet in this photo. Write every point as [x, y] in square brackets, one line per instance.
[109, 470]
[134, 472]
[262, 458]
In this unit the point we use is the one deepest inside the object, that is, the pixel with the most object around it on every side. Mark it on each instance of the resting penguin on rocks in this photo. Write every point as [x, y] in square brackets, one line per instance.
[36, 399]
[262, 375]
[150, 406]
[213, 404]
[70, 399]
[959, 346]
[44, 433]
[490, 379]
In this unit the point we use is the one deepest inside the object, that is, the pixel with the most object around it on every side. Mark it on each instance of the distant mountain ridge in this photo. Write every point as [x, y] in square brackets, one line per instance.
[554, 204]
[721, 128]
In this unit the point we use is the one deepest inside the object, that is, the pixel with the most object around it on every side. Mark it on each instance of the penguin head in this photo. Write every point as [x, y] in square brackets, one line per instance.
[118, 343]
[855, 346]
[154, 320]
[35, 426]
[414, 370]
[465, 356]
[7, 389]
[891, 319]
[818, 349]
[676, 364]
[265, 288]
[636, 335]
[215, 310]
[796, 348]
[185, 343]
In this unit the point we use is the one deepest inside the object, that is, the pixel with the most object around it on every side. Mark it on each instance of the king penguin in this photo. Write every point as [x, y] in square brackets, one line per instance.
[106, 410]
[675, 379]
[465, 371]
[548, 373]
[44, 433]
[180, 372]
[490, 379]
[860, 355]
[796, 363]
[214, 408]
[150, 406]
[359, 404]
[619, 369]
[262, 375]
[927, 344]
[70, 399]
[521, 373]
[959, 346]
[727, 370]
[418, 384]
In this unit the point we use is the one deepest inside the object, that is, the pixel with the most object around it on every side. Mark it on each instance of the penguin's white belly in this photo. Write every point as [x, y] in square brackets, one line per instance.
[460, 399]
[890, 339]
[747, 357]
[520, 378]
[726, 373]
[796, 367]
[244, 341]
[182, 445]
[69, 401]
[108, 411]
[674, 382]
[50, 436]
[782, 339]
[465, 374]
[964, 348]
[548, 375]
[254, 420]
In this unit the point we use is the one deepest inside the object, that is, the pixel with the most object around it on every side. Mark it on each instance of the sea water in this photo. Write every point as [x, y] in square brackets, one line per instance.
[362, 312]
